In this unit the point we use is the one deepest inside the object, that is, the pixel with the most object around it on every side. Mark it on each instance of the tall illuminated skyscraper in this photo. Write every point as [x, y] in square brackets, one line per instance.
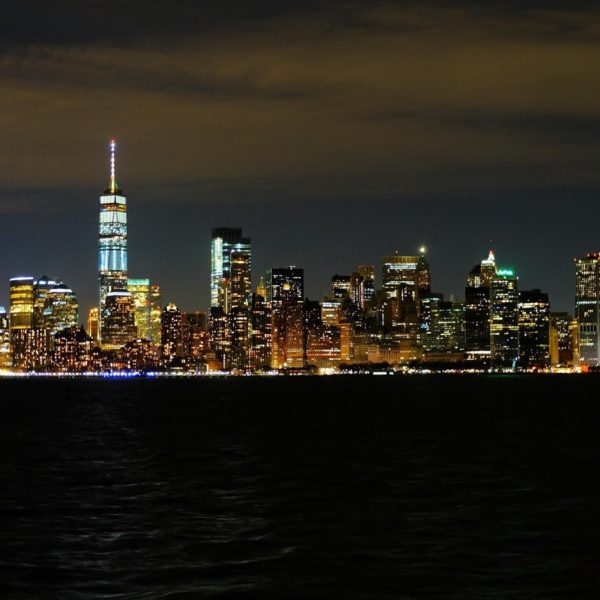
[587, 308]
[61, 309]
[504, 318]
[225, 241]
[477, 308]
[285, 292]
[112, 259]
[140, 294]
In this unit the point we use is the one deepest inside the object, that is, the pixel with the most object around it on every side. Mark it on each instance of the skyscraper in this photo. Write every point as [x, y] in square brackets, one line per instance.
[534, 329]
[140, 295]
[119, 321]
[285, 292]
[587, 308]
[172, 334]
[504, 318]
[411, 272]
[21, 303]
[155, 314]
[239, 313]
[61, 309]
[5, 352]
[225, 240]
[477, 308]
[112, 258]
[41, 288]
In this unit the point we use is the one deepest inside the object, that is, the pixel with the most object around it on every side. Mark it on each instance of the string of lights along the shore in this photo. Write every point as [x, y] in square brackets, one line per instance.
[399, 324]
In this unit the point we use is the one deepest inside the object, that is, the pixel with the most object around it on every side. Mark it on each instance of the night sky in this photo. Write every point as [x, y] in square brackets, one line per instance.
[332, 133]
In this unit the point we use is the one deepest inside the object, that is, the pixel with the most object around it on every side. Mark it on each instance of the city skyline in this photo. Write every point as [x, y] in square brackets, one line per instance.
[312, 284]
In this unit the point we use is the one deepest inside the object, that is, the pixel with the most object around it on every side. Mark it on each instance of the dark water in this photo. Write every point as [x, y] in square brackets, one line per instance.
[404, 488]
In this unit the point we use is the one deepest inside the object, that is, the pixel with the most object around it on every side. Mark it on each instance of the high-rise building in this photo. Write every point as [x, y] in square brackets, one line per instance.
[260, 331]
[21, 303]
[195, 336]
[225, 241]
[477, 308]
[112, 257]
[367, 273]
[504, 319]
[172, 334]
[119, 321]
[561, 349]
[442, 325]
[534, 329]
[41, 288]
[587, 308]
[92, 324]
[61, 309]
[239, 312]
[408, 272]
[20, 318]
[5, 351]
[140, 295]
[155, 314]
[340, 286]
[285, 292]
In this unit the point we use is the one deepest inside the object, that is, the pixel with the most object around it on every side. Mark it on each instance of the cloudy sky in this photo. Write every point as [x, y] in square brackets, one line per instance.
[332, 132]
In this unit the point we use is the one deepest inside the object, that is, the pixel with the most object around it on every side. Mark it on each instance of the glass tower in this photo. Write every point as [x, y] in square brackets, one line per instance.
[504, 318]
[225, 241]
[587, 308]
[112, 258]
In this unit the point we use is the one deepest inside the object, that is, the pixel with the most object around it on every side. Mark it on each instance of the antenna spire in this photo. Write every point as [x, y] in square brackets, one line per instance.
[113, 180]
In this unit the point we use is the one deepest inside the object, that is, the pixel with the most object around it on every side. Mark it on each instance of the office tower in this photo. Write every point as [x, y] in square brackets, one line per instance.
[408, 272]
[331, 312]
[442, 325]
[5, 352]
[112, 257]
[285, 292]
[61, 309]
[561, 349]
[367, 273]
[195, 336]
[340, 286]
[225, 240]
[429, 321]
[218, 331]
[41, 288]
[140, 295]
[291, 278]
[119, 321]
[73, 351]
[504, 318]
[21, 303]
[155, 314]
[92, 324]
[534, 329]
[239, 314]
[477, 308]
[20, 317]
[172, 334]
[260, 331]
[587, 308]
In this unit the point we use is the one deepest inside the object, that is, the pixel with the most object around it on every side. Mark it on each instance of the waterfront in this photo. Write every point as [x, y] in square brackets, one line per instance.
[355, 487]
